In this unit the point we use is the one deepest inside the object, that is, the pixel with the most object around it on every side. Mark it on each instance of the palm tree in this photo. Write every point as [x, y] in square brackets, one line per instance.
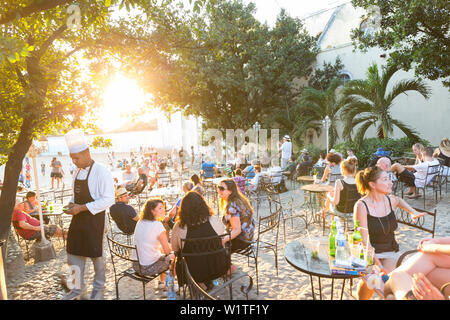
[367, 103]
[314, 105]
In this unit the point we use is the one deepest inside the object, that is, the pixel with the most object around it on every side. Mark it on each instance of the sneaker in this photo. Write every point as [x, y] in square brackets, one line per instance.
[97, 294]
[72, 295]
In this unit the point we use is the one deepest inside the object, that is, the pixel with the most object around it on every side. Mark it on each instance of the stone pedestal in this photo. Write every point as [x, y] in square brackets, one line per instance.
[43, 252]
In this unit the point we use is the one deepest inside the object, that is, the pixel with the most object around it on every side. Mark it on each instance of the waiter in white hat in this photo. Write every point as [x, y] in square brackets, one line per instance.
[93, 187]
[286, 151]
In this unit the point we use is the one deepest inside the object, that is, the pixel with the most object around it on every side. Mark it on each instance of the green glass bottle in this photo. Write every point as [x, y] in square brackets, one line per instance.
[332, 239]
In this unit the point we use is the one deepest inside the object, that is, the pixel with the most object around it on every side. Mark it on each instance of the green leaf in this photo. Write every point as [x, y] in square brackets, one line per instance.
[30, 48]
[107, 3]
[12, 58]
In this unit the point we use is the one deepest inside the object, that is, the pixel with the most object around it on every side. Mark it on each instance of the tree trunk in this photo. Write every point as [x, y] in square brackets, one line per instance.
[12, 171]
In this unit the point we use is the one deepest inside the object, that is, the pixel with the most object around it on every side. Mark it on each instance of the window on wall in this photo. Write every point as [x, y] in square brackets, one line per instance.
[365, 27]
[345, 77]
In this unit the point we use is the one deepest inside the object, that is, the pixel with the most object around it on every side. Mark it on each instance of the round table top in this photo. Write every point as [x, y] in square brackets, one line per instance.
[317, 187]
[298, 255]
[305, 178]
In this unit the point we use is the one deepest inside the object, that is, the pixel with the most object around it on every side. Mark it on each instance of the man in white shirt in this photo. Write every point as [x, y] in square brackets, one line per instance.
[93, 187]
[286, 151]
[417, 179]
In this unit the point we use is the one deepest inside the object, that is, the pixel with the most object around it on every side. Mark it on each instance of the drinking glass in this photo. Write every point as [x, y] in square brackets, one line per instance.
[315, 246]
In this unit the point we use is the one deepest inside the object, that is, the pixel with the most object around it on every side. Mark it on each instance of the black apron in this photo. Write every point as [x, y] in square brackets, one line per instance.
[85, 237]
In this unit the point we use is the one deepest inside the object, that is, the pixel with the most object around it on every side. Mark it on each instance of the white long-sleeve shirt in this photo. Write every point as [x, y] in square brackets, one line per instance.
[101, 187]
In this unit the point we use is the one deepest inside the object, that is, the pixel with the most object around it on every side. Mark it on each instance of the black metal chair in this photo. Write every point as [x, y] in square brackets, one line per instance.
[196, 251]
[124, 252]
[432, 183]
[115, 234]
[265, 224]
[425, 223]
[443, 177]
[22, 242]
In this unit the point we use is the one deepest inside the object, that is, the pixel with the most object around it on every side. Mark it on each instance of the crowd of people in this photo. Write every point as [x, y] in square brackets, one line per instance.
[366, 194]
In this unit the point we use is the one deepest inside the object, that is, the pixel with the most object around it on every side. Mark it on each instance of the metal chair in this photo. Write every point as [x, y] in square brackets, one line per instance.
[265, 224]
[196, 292]
[115, 234]
[443, 177]
[22, 242]
[196, 251]
[124, 252]
[433, 183]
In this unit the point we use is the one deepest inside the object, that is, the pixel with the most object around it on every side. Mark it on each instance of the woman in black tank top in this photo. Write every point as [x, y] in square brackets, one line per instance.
[375, 212]
[345, 192]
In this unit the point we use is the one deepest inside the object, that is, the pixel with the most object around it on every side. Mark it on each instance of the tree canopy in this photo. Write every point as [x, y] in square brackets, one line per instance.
[416, 32]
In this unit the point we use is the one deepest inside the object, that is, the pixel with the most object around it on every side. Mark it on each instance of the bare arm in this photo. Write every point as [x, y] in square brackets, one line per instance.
[235, 223]
[326, 173]
[402, 204]
[27, 226]
[164, 243]
[334, 199]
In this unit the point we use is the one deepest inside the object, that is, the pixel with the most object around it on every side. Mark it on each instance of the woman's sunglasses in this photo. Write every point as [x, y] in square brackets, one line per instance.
[220, 188]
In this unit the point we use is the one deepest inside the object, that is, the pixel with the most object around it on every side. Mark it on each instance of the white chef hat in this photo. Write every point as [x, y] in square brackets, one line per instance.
[75, 141]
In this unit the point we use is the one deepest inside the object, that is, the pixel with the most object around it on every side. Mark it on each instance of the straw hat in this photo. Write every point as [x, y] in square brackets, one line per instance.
[445, 147]
[121, 191]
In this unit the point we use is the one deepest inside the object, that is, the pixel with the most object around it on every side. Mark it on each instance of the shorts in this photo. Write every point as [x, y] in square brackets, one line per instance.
[56, 175]
[388, 255]
[49, 231]
[159, 266]
[407, 177]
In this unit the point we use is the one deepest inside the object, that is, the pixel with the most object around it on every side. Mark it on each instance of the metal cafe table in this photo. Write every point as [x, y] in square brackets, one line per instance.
[298, 254]
[314, 200]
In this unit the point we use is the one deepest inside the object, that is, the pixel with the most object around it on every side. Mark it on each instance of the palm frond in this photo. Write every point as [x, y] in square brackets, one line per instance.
[408, 85]
[407, 130]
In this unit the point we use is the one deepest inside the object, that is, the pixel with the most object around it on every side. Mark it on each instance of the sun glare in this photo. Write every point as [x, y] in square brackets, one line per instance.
[122, 97]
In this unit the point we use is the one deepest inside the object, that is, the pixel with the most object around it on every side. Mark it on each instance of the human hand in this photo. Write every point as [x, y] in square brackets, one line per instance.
[416, 215]
[74, 209]
[423, 289]
[426, 241]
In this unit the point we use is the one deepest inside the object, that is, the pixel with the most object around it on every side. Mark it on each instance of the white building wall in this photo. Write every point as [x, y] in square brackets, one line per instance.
[431, 118]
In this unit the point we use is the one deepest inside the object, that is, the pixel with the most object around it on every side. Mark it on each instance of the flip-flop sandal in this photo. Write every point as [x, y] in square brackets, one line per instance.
[414, 197]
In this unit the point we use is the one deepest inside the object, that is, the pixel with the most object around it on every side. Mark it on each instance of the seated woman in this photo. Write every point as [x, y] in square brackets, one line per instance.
[418, 149]
[161, 177]
[31, 205]
[239, 179]
[152, 244]
[198, 186]
[197, 220]
[237, 214]
[253, 185]
[420, 276]
[332, 170]
[345, 192]
[375, 213]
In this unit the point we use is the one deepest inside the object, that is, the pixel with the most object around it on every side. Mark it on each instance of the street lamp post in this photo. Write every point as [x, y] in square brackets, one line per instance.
[326, 123]
[256, 127]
